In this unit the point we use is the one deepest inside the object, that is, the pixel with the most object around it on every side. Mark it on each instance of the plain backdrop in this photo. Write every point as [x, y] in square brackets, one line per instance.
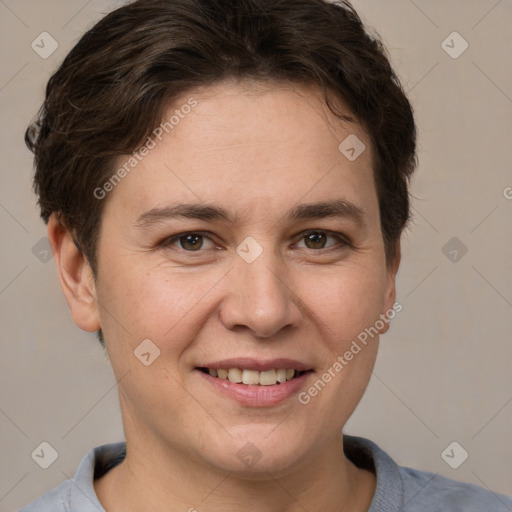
[443, 371]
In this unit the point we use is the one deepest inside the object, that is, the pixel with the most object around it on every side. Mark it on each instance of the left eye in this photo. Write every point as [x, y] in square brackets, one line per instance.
[194, 242]
[317, 239]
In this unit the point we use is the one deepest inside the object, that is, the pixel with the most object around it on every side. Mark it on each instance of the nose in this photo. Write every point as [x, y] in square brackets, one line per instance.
[260, 297]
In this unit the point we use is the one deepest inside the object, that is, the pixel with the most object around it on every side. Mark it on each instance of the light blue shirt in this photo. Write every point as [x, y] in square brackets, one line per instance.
[399, 489]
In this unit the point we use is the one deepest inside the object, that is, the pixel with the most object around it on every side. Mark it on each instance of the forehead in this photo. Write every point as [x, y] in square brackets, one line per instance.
[268, 114]
[251, 144]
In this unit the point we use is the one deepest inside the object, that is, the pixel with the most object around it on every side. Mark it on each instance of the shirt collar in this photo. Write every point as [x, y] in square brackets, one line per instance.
[95, 464]
[389, 492]
[388, 497]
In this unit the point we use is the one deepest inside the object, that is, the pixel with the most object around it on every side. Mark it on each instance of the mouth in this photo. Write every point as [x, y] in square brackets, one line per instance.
[250, 377]
[255, 382]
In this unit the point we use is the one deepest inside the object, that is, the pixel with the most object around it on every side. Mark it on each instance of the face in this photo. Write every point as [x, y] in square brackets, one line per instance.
[250, 275]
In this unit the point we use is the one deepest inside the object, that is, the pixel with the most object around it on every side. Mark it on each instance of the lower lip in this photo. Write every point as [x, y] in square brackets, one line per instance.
[257, 395]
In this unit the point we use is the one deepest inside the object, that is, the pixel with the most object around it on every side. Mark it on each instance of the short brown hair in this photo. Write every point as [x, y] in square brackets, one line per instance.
[112, 89]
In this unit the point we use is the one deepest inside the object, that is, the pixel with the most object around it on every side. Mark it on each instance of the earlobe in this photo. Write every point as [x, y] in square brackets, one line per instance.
[75, 276]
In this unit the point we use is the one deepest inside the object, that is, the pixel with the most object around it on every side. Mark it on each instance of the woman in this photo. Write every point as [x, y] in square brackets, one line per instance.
[225, 185]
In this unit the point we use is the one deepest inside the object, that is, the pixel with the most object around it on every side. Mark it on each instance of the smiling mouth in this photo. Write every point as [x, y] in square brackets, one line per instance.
[254, 377]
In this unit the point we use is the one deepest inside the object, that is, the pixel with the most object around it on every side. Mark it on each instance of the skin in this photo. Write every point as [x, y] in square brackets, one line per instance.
[256, 150]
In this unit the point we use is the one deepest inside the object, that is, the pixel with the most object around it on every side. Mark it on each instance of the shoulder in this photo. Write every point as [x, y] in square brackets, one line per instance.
[428, 491]
[410, 490]
[54, 500]
[78, 494]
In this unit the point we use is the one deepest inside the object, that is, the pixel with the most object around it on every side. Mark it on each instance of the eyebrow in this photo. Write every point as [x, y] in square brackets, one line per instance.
[339, 208]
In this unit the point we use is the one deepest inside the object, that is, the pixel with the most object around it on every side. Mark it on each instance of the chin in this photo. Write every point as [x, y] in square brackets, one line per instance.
[253, 452]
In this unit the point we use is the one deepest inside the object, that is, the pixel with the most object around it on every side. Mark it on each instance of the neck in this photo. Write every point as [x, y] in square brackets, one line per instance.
[156, 478]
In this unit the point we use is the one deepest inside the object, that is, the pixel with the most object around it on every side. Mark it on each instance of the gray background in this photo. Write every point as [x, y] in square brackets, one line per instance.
[443, 372]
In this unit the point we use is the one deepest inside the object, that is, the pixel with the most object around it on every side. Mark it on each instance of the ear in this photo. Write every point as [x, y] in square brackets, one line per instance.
[75, 275]
[390, 293]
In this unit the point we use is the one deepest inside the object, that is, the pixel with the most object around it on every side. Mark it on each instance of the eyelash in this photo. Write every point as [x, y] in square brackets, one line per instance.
[342, 240]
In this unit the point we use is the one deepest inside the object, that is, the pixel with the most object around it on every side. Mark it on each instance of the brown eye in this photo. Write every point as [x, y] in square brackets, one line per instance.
[317, 240]
[189, 242]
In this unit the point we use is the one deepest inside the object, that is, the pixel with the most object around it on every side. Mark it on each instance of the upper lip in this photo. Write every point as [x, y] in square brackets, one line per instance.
[248, 363]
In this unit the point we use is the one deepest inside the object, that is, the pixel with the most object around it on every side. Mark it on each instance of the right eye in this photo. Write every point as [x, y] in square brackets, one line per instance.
[189, 241]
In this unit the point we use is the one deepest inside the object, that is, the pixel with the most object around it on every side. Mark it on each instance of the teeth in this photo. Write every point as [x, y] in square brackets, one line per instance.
[250, 377]
[235, 375]
[253, 377]
[268, 378]
[281, 375]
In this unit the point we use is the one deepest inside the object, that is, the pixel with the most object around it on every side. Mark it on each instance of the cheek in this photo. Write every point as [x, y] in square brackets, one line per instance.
[155, 303]
[346, 303]
[163, 304]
